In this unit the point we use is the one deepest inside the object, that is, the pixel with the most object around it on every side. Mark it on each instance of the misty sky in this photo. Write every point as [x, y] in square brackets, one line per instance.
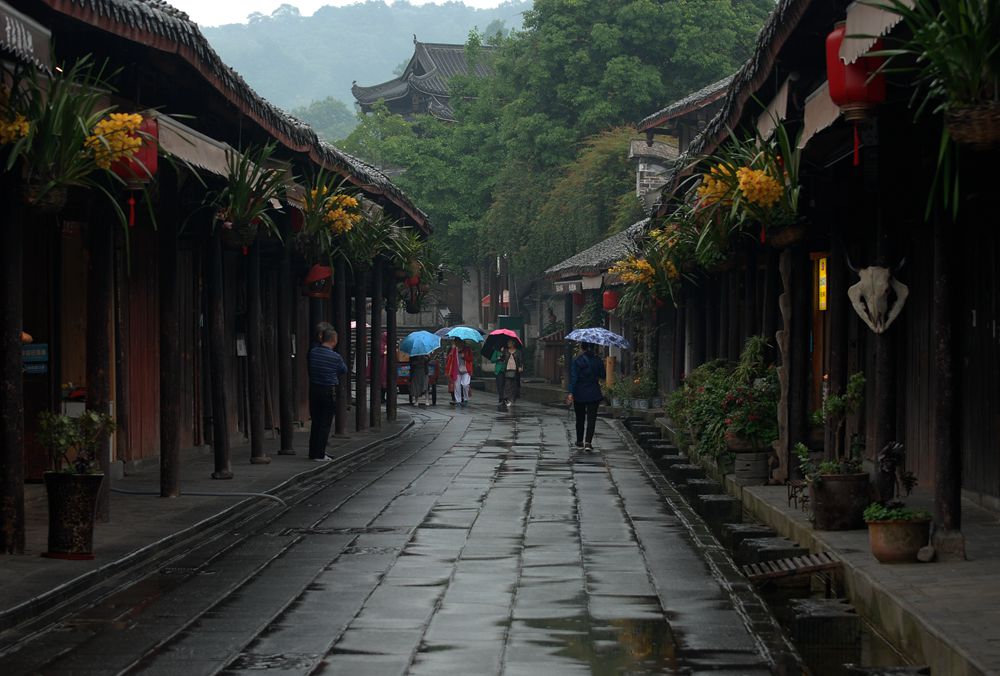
[217, 12]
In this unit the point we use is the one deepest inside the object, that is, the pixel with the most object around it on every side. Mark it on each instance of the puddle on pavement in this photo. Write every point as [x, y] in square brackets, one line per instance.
[616, 646]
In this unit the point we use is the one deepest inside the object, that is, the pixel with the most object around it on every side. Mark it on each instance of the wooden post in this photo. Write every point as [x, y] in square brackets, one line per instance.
[360, 349]
[286, 413]
[769, 306]
[948, 541]
[343, 326]
[680, 339]
[568, 319]
[736, 327]
[217, 353]
[170, 347]
[750, 309]
[100, 277]
[375, 406]
[800, 290]
[696, 326]
[722, 327]
[11, 378]
[838, 311]
[392, 303]
[883, 422]
[255, 372]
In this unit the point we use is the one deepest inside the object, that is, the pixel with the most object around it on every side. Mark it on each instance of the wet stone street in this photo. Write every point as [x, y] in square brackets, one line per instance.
[478, 544]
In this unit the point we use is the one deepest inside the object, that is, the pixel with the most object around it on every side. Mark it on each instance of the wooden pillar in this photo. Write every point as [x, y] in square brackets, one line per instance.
[838, 317]
[948, 541]
[680, 338]
[750, 311]
[696, 326]
[360, 349]
[11, 378]
[343, 326]
[800, 288]
[255, 370]
[568, 320]
[884, 405]
[391, 304]
[375, 389]
[217, 352]
[286, 399]
[170, 347]
[100, 278]
[769, 304]
[736, 326]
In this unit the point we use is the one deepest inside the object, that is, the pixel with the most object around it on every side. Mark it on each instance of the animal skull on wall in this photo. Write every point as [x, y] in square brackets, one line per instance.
[878, 297]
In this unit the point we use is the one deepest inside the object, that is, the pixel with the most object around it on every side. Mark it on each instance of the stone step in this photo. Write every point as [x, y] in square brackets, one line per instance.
[693, 487]
[630, 421]
[664, 462]
[824, 622]
[645, 430]
[657, 449]
[644, 438]
[732, 534]
[718, 509]
[680, 473]
[858, 670]
[756, 550]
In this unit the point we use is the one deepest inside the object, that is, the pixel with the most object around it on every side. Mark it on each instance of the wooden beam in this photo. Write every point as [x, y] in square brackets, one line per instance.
[375, 387]
[218, 354]
[360, 348]
[391, 305]
[170, 344]
[100, 277]
[285, 290]
[342, 321]
[255, 370]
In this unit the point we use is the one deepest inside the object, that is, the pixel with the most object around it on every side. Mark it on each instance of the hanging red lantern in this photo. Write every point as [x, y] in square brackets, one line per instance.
[610, 299]
[318, 282]
[141, 166]
[579, 299]
[857, 88]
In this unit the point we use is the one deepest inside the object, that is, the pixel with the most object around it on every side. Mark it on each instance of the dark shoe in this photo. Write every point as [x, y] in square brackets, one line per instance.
[588, 446]
[579, 444]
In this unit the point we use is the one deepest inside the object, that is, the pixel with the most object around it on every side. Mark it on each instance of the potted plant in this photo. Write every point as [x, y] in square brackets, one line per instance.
[951, 48]
[73, 485]
[896, 533]
[243, 205]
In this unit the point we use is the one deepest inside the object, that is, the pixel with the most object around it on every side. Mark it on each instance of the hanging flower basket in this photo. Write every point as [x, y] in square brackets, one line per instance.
[786, 235]
[238, 235]
[50, 202]
[975, 126]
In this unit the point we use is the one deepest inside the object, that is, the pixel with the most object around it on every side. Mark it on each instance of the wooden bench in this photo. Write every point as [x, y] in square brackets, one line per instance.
[798, 565]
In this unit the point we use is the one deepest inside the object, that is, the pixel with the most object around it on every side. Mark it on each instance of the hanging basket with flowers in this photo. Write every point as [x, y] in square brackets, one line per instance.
[244, 204]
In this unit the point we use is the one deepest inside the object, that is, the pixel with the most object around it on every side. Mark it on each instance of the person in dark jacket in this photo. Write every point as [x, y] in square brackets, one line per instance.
[585, 394]
[325, 368]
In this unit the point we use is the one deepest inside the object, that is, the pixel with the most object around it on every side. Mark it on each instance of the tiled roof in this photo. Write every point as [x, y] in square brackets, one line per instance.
[602, 255]
[691, 102]
[437, 63]
[158, 25]
[745, 82]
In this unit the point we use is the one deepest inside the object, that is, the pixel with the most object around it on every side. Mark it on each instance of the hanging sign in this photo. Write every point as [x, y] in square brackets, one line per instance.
[822, 284]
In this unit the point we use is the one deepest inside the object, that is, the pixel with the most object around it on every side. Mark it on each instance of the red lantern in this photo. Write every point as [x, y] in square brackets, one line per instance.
[578, 299]
[853, 86]
[141, 166]
[317, 283]
[610, 300]
[412, 281]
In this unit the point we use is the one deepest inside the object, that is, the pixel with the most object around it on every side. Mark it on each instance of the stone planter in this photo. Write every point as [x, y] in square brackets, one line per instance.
[898, 541]
[640, 404]
[616, 402]
[72, 500]
[839, 500]
[752, 468]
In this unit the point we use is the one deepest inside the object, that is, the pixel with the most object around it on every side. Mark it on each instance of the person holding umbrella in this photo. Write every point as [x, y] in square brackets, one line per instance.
[585, 372]
[458, 368]
[501, 347]
[419, 345]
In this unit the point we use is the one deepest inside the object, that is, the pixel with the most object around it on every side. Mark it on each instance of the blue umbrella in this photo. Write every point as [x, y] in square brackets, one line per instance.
[465, 333]
[598, 336]
[444, 332]
[419, 342]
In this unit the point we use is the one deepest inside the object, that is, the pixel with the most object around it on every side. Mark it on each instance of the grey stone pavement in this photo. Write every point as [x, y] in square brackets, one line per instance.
[479, 543]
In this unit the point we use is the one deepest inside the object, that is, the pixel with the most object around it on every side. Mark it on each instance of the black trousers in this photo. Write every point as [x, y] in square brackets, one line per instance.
[322, 407]
[501, 384]
[585, 410]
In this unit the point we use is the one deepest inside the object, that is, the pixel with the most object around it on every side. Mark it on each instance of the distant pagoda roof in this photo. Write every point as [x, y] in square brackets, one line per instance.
[427, 73]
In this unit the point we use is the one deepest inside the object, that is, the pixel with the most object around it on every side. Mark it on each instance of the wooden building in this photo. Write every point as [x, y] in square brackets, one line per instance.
[186, 341]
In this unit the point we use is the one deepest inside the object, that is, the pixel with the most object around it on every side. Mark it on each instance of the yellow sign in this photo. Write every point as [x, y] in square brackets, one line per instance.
[822, 284]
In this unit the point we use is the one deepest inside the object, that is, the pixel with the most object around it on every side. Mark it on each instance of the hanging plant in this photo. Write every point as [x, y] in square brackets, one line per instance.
[243, 206]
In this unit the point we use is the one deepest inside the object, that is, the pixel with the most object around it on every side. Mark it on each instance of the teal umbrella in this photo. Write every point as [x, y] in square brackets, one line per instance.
[419, 343]
[465, 333]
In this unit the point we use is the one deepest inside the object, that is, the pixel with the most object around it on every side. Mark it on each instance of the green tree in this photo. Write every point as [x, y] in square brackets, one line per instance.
[330, 117]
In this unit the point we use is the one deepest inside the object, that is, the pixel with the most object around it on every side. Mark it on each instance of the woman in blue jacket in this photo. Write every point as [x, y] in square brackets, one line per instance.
[585, 392]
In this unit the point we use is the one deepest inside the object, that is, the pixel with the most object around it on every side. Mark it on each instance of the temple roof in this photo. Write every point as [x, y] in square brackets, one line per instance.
[427, 72]
[601, 256]
[691, 102]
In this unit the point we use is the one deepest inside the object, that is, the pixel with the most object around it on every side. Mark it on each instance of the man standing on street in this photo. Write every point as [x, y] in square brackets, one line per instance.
[325, 368]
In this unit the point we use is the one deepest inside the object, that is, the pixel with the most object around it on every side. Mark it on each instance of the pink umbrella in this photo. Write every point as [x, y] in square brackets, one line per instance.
[498, 339]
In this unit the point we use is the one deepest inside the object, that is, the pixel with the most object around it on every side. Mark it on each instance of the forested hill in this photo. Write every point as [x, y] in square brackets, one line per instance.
[293, 60]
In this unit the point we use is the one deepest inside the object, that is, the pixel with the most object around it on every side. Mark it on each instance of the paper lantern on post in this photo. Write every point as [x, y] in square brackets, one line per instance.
[610, 299]
[857, 88]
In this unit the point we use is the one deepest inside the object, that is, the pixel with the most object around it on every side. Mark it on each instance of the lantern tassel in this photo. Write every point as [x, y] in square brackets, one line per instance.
[131, 211]
[857, 147]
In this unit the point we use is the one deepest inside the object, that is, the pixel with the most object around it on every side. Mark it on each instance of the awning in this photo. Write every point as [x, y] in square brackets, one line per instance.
[25, 38]
[192, 146]
[505, 299]
[820, 112]
[592, 282]
[776, 111]
[867, 20]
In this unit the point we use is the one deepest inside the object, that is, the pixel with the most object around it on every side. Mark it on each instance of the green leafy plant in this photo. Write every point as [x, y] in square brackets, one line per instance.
[590, 315]
[243, 205]
[695, 408]
[73, 442]
[894, 511]
[836, 407]
[815, 471]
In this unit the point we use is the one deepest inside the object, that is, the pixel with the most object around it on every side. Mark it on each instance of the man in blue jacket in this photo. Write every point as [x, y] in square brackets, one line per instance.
[325, 368]
[585, 394]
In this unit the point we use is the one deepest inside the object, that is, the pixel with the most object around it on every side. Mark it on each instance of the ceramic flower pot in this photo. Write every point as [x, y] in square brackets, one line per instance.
[72, 500]
[839, 500]
[898, 541]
